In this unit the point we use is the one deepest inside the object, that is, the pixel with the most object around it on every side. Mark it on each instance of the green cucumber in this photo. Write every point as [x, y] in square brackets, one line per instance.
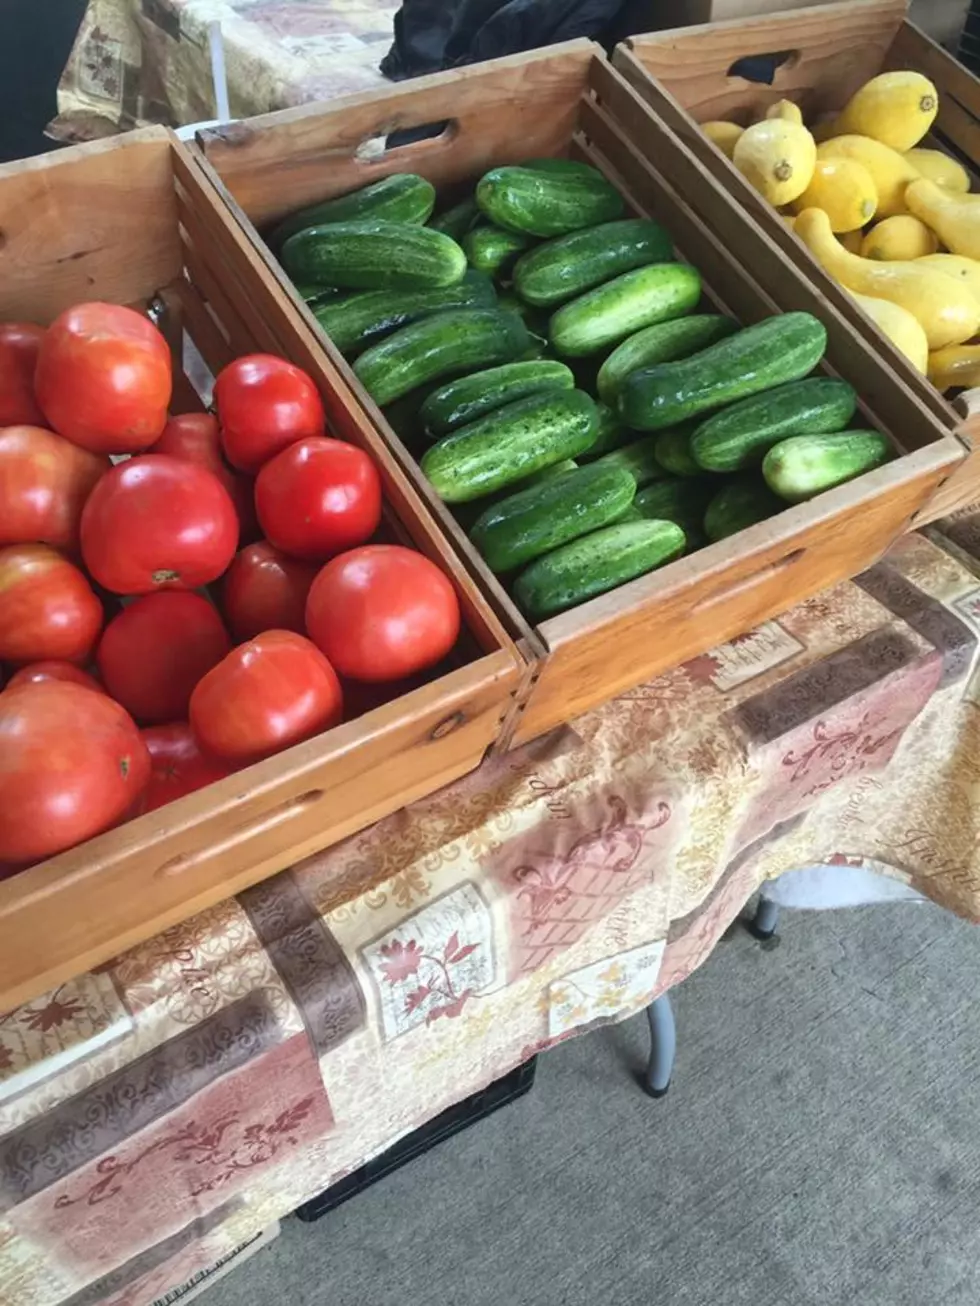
[594, 564]
[740, 436]
[510, 444]
[467, 514]
[661, 343]
[355, 321]
[806, 465]
[638, 458]
[538, 519]
[547, 201]
[402, 197]
[374, 255]
[565, 267]
[608, 314]
[612, 433]
[759, 357]
[456, 222]
[315, 295]
[443, 345]
[739, 503]
[681, 501]
[673, 451]
[494, 250]
[464, 400]
[565, 167]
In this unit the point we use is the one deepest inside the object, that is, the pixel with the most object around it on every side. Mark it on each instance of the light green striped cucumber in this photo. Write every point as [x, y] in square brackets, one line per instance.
[402, 197]
[456, 222]
[538, 519]
[469, 397]
[374, 255]
[568, 265]
[805, 465]
[468, 513]
[740, 503]
[547, 202]
[661, 343]
[594, 564]
[740, 436]
[446, 344]
[638, 458]
[494, 250]
[673, 451]
[510, 444]
[610, 313]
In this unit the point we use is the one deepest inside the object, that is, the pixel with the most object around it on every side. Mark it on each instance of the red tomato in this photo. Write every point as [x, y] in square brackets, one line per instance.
[263, 589]
[264, 404]
[156, 650]
[318, 498]
[382, 612]
[155, 523]
[194, 438]
[44, 483]
[19, 343]
[47, 607]
[179, 766]
[41, 671]
[104, 378]
[71, 764]
[268, 694]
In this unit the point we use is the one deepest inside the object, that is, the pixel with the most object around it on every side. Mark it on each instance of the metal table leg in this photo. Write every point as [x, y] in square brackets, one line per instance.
[663, 1044]
[764, 924]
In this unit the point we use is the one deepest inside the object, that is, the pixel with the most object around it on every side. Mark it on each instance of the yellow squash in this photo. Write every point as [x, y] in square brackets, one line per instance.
[900, 237]
[940, 168]
[785, 109]
[955, 366]
[851, 240]
[966, 270]
[723, 134]
[890, 171]
[777, 158]
[899, 325]
[945, 309]
[954, 218]
[895, 108]
[844, 189]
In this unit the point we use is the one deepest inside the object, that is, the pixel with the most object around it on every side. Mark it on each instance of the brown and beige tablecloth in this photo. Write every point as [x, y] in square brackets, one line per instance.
[155, 1115]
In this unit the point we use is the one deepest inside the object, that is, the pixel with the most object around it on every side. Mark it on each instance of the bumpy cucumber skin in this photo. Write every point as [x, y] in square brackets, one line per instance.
[613, 311]
[510, 444]
[664, 342]
[456, 222]
[459, 402]
[355, 321]
[534, 521]
[547, 202]
[672, 450]
[638, 458]
[594, 564]
[401, 197]
[568, 265]
[493, 250]
[740, 503]
[682, 501]
[612, 433]
[759, 357]
[740, 436]
[459, 340]
[805, 465]
[374, 255]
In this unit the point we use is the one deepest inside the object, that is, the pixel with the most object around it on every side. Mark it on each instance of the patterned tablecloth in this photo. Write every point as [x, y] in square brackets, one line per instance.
[156, 1114]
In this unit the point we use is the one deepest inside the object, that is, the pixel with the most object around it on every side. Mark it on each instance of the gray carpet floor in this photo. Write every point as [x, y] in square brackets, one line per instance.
[820, 1145]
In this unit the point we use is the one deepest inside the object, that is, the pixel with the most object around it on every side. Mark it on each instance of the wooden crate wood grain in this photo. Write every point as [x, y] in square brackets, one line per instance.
[132, 221]
[569, 100]
[818, 57]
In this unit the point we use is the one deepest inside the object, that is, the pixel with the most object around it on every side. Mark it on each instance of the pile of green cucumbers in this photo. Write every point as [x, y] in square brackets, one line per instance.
[544, 357]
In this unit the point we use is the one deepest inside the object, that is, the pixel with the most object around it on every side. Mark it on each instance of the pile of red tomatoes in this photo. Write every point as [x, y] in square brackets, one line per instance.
[127, 685]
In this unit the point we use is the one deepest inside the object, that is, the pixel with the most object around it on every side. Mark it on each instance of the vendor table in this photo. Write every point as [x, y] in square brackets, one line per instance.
[154, 1115]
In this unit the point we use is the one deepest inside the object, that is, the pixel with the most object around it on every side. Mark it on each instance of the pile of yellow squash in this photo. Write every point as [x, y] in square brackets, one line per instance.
[892, 222]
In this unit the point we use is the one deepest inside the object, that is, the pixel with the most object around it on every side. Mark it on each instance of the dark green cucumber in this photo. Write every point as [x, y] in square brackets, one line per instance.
[510, 444]
[594, 564]
[608, 314]
[638, 458]
[563, 268]
[805, 465]
[443, 345]
[374, 255]
[464, 400]
[536, 520]
[547, 201]
[772, 352]
[740, 436]
[467, 514]
[612, 433]
[493, 250]
[456, 222]
[314, 295]
[739, 503]
[565, 167]
[673, 451]
[681, 501]
[661, 343]
[402, 197]
[355, 321]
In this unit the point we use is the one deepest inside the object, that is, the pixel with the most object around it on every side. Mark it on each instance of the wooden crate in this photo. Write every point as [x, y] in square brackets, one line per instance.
[817, 56]
[130, 221]
[569, 99]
